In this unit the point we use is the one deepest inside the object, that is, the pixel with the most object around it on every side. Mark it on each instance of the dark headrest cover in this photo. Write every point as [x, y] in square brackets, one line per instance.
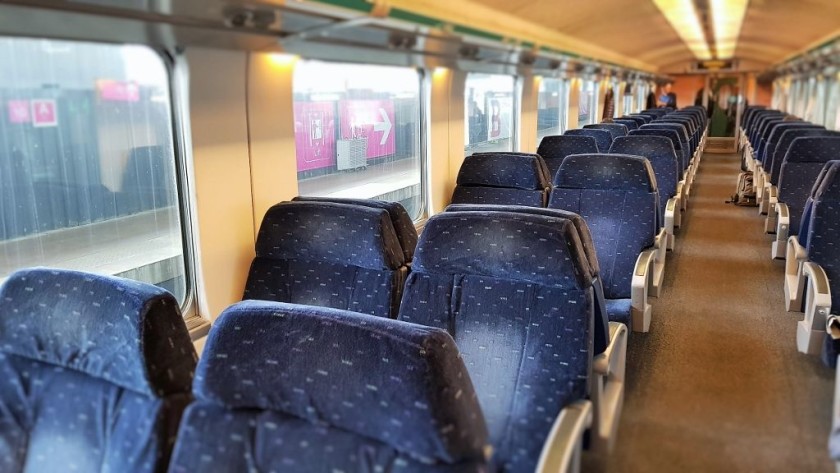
[125, 332]
[829, 187]
[672, 135]
[523, 247]
[560, 146]
[580, 224]
[403, 225]
[518, 171]
[606, 172]
[399, 383]
[646, 146]
[813, 149]
[338, 233]
[680, 129]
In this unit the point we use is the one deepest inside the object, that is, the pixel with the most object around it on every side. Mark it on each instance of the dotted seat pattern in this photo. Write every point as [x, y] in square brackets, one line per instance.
[783, 146]
[663, 159]
[502, 179]
[801, 166]
[682, 154]
[775, 134]
[603, 138]
[515, 292]
[96, 371]
[327, 254]
[286, 387]
[615, 129]
[805, 221]
[554, 148]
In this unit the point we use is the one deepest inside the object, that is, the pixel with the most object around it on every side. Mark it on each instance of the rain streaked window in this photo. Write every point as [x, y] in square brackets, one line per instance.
[552, 107]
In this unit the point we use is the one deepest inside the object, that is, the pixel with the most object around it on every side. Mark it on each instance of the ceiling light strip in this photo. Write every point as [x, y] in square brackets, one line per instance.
[727, 17]
[684, 19]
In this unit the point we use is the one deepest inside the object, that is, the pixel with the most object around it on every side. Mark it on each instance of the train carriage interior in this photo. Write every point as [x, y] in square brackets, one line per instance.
[419, 236]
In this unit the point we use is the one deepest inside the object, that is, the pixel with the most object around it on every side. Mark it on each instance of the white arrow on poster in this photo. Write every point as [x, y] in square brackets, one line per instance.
[383, 126]
[44, 113]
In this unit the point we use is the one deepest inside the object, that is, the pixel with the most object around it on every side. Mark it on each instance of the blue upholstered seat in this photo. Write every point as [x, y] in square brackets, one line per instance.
[515, 292]
[618, 197]
[764, 135]
[285, 387]
[630, 123]
[95, 371]
[502, 178]
[327, 254]
[554, 148]
[640, 119]
[602, 137]
[801, 166]
[776, 131]
[685, 142]
[615, 129]
[663, 158]
[403, 225]
[783, 146]
[672, 135]
[805, 221]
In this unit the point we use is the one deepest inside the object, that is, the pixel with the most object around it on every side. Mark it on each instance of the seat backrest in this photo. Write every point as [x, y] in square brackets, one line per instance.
[615, 129]
[672, 135]
[554, 148]
[403, 225]
[300, 388]
[823, 227]
[685, 143]
[602, 137]
[758, 125]
[638, 120]
[783, 146]
[628, 122]
[333, 255]
[655, 111]
[96, 372]
[644, 118]
[617, 196]
[518, 281]
[663, 158]
[502, 178]
[800, 168]
[750, 110]
[753, 119]
[775, 134]
[805, 221]
[764, 134]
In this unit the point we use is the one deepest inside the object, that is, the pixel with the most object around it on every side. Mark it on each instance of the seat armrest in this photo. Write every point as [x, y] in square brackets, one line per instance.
[672, 219]
[562, 449]
[682, 191]
[782, 229]
[811, 330]
[795, 256]
[639, 288]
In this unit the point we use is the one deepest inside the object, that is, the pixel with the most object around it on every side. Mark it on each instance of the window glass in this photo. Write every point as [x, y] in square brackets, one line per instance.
[87, 162]
[832, 112]
[552, 107]
[489, 113]
[588, 107]
[357, 132]
[628, 99]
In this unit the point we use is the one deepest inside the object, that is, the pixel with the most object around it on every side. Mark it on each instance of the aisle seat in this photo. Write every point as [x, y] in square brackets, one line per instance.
[96, 373]
[554, 148]
[602, 137]
[502, 178]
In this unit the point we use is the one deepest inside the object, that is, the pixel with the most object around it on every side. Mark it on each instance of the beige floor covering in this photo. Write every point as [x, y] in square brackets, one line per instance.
[717, 384]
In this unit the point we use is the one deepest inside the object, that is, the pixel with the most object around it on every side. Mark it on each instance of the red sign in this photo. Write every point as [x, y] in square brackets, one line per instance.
[116, 91]
[18, 111]
[44, 113]
[314, 135]
[371, 119]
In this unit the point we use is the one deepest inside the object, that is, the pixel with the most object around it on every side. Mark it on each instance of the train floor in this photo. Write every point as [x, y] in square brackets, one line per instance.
[717, 384]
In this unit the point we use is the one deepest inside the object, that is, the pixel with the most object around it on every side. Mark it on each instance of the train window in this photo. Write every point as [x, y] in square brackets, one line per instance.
[88, 176]
[629, 105]
[832, 109]
[588, 106]
[357, 132]
[552, 107]
[489, 113]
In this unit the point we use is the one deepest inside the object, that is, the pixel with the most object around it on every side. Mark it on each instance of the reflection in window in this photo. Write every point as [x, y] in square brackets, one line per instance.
[357, 132]
[552, 107]
[87, 162]
[489, 113]
[588, 106]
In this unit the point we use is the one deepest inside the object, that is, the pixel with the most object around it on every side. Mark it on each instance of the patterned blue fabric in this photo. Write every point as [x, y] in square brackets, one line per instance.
[822, 240]
[639, 121]
[620, 310]
[759, 123]
[602, 137]
[645, 118]
[680, 129]
[284, 387]
[802, 164]
[510, 170]
[554, 148]
[498, 196]
[805, 223]
[775, 135]
[693, 138]
[515, 293]
[663, 159]
[615, 129]
[781, 149]
[683, 157]
[334, 255]
[403, 225]
[96, 372]
[628, 122]
[617, 196]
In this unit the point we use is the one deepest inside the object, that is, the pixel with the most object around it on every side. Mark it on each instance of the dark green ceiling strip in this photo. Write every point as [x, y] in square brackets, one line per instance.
[358, 5]
[405, 15]
[479, 33]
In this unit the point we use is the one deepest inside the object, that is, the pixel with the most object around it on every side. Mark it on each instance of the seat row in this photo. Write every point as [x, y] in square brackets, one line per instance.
[797, 170]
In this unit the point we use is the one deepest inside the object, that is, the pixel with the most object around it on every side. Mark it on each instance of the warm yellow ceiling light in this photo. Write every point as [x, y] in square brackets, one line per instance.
[683, 17]
[727, 16]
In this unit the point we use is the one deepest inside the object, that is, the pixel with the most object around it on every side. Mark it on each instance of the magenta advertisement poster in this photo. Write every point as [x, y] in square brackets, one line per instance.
[371, 119]
[314, 135]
